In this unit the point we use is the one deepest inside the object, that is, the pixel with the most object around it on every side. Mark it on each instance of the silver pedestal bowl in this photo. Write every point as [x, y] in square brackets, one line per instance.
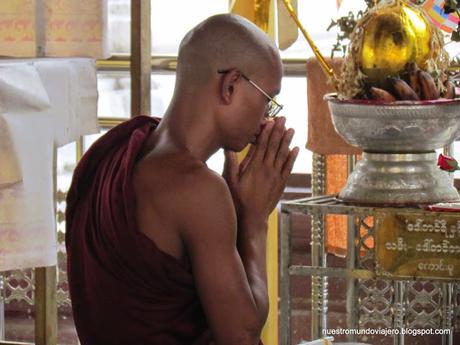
[398, 167]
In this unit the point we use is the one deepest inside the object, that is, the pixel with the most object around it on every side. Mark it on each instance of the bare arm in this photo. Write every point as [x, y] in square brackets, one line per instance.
[256, 186]
[227, 248]
[223, 287]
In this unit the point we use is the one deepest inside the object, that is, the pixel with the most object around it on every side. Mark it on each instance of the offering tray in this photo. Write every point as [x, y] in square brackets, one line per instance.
[398, 166]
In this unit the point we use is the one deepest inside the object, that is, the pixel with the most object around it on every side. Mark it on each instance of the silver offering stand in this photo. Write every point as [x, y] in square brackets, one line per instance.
[372, 301]
[398, 168]
[398, 165]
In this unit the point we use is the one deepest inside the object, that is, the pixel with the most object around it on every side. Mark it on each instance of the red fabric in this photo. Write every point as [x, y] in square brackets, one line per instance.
[124, 290]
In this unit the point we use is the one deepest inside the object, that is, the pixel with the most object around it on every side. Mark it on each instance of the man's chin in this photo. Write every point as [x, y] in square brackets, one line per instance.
[242, 146]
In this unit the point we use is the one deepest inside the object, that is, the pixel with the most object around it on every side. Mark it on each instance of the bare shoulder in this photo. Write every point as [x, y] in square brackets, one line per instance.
[178, 172]
[184, 183]
[204, 197]
[201, 182]
[179, 200]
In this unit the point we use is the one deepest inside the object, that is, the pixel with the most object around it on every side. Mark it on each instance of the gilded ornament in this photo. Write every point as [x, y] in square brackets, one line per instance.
[392, 37]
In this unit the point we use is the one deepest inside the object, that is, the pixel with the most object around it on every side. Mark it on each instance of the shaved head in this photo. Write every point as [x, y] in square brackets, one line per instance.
[223, 42]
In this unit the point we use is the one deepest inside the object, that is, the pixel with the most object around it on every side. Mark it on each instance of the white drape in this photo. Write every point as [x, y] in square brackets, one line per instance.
[44, 103]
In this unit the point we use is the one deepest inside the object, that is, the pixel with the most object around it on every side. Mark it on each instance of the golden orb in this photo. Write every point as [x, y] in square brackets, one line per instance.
[393, 36]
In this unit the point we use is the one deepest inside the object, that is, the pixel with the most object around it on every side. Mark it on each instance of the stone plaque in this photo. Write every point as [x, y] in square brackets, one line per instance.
[411, 245]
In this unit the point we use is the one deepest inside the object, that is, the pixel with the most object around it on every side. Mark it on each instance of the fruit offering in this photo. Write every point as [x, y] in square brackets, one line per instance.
[395, 54]
[413, 84]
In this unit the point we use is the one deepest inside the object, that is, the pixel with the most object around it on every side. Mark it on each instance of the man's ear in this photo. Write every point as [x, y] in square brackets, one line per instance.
[229, 81]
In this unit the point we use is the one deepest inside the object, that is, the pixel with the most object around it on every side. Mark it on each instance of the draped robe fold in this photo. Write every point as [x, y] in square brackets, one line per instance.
[124, 289]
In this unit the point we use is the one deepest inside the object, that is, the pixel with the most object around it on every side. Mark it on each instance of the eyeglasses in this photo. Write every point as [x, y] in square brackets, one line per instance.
[273, 106]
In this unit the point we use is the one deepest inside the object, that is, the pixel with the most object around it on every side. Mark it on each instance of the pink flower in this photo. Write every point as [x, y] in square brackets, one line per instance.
[447, 163]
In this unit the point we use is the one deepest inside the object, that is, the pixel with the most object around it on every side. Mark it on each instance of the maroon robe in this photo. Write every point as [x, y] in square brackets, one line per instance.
[124, 290]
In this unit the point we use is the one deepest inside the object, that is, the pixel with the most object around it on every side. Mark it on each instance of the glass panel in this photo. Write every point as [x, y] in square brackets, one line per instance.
[119, 26]
[88, 140]
[114, 94]
[172, 19]
[162, 88]
[294, 98]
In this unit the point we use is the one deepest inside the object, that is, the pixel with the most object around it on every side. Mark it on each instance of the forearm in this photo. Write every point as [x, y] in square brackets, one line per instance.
[252, 238]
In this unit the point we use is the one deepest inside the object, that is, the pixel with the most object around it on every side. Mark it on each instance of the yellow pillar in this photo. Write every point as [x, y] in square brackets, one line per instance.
[270, 331]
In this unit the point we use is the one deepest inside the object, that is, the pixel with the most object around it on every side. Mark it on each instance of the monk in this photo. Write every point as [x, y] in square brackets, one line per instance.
[162, 250]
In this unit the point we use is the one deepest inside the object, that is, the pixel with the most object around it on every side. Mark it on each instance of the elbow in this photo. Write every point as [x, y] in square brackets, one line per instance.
[247, 337]
[249, 334]
[259, 321]
[263, 309]
[253, 330]
[254, 335]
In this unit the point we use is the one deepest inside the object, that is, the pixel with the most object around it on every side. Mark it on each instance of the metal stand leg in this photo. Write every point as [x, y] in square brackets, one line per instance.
[319, 288]
[352, 259]
[400, 311]
[352, 306]
[447, 312]
[285, 300]
[319, 291]
[447, 288]
[2, 309]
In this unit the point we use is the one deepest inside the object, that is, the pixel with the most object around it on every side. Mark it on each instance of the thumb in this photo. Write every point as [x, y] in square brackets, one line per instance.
[230, 172]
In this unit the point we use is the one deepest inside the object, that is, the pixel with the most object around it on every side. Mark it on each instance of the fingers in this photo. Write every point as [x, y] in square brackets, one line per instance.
[262, 141]
[230, 172]
[272, 146]
[274, 140]
[247, 158]
[283, 151]
[287, 167]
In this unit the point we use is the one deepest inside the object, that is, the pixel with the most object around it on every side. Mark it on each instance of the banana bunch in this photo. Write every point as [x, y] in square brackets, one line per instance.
[413, 84]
